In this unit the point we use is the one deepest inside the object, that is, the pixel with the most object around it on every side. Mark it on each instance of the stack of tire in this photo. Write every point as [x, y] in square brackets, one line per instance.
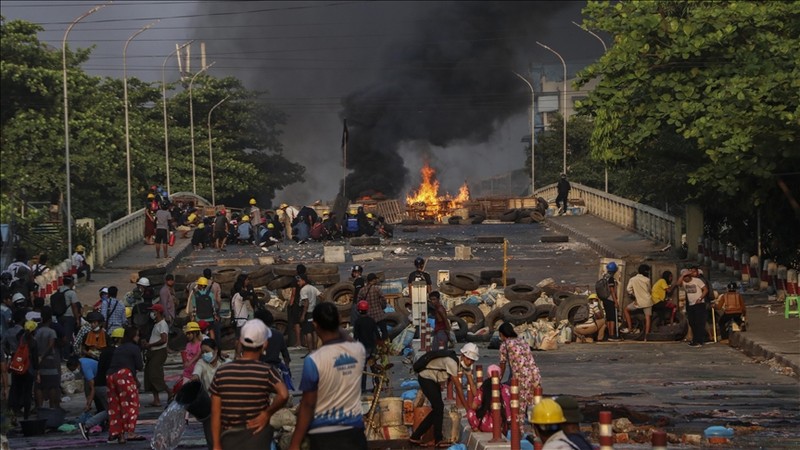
[526, 215]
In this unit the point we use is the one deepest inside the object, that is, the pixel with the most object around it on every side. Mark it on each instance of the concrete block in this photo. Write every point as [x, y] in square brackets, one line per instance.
[371, 256]
[333, 254]
[266, 260]
[463, 253]
[235, 262]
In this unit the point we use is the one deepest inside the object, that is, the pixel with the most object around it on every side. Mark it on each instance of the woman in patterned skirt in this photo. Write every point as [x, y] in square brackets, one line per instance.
[123, 393]
[516, 354]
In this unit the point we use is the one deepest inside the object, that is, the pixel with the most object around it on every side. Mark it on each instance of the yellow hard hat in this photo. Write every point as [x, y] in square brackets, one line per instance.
[283, 206]
[270, 225]
[201, 226]
[191, 326]
[202, 281]
[150, 196]
[80, 248]
[547, 412]
[592, 297]
[369, 215]
[245, 218]
[118, 333]
[353, 211]
[128, 312]
[252, 201]
[191, 217]
[30, 325]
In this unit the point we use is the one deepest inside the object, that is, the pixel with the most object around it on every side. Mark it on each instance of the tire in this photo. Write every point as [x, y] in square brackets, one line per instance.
[510, 215]
[476, 220]
[261, 276]
[545, 312]
[185, 278]
[398, 322]
[226, 275]
[364, 241]
[522, 292]
[472, 315]
[566, 310]
[465, 281]
[519, 312]
[489, 274]
[449, 289]
[281, 322]
[537, 216]
[461, 333]
[325, 280]
[409, 229]
[556, 238]
[454, 220]
[341, 294]
[280, 283]
[561, 296]
[490, 239]
[322, 269]
[493, 316]
[284, 270]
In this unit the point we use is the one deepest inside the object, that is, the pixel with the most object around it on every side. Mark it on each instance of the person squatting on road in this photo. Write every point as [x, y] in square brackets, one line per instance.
[240, 394]
[516, 354]
[330, 411]
[436, 372]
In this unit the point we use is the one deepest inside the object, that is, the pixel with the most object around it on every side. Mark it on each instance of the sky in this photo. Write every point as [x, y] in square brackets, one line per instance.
[418, 81]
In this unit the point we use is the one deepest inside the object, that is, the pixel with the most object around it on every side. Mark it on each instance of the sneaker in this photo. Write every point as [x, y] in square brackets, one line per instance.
[624, 330]
[82, 429]
[614, 339]
[96, 429]
[695, 344]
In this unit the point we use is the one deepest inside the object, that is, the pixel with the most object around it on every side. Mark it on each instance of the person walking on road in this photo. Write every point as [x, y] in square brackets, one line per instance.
[156, 348]
[308, 302]
[163, 219]
[123, 395]
[516, 354]
[563, 187]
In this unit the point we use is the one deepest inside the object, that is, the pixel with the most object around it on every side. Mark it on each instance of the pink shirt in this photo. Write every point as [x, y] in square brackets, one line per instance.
[192, 350]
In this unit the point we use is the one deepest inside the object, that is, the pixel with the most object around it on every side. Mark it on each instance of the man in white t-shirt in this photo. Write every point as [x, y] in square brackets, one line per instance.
[308, 301]
[330, 410]
[696, 290]
[156, 348]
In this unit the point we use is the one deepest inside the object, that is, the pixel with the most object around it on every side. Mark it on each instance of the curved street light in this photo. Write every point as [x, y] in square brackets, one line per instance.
[125, 101]
[605, 49]
[191, 126]
[66, 118]
[164, 99]
[533, 131]
[563, 102]
[211, 151]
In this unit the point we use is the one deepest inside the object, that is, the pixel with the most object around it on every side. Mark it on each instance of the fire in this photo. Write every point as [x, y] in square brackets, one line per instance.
[426, 202]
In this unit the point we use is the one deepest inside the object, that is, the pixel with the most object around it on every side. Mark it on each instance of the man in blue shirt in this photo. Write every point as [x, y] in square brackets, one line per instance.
[330, 409]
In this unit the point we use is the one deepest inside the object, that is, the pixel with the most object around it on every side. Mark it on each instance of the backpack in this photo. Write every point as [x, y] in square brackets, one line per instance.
[20, 362]
[203, 305]
[602, 289]
[58, 301]
[581, 314]
[423, 361]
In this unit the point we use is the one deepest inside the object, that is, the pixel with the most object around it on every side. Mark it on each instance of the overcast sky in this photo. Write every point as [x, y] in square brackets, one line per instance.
[309, 56]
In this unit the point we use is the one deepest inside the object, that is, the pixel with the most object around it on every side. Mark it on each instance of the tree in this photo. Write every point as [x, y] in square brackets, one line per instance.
[723, 78]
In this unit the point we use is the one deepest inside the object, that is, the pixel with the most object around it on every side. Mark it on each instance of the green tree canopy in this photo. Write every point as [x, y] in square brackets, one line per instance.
[722, 77]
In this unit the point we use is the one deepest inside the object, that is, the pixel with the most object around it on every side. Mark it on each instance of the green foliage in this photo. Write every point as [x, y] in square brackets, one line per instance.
[711, 86]
[248, 154]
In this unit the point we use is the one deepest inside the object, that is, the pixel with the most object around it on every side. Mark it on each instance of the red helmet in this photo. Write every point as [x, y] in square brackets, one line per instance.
[363, 306]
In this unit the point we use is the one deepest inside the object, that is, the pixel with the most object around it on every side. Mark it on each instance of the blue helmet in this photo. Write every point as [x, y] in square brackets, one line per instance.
[611, 267]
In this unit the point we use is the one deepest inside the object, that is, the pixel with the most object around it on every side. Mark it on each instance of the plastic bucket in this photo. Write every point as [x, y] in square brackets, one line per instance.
[391, 411]
[195, 399]
[394, 432]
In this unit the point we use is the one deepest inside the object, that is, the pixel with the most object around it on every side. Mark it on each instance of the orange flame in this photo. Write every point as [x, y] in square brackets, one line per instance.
[426, 199]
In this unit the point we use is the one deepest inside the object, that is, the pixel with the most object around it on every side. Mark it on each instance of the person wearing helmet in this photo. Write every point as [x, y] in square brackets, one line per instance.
[91, 338]
[245, 231]
[202, 305]
[333, 229]
[79, 263]
[516, 354]
[596, 321]
[350, 226]
[437, 371]
[358, 282]
[606, 289]
[255, 215]
[563, 189]
[419, 274]
[547, 419]
[270, 236]
[191, 354]
[365, 330]
[731, 305]
[662, 293]
[639, 288]
[287, 215]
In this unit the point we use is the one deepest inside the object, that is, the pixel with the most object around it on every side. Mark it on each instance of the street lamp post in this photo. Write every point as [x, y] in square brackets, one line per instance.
[533, 130]
[125, 101]
[66, 119]
[605, 49]
[563, 102]
[211, 151]
[164, 99]
[191, 126]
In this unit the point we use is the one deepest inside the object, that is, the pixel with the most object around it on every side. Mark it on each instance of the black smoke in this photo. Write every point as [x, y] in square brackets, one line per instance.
[452, 81]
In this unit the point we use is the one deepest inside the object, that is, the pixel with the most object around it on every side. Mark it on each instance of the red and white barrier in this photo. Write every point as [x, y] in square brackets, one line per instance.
[606, 438]
[537, 396]
[791, 282]
[516, 434]
[745, 261]
[755, 274]
[781, 273]
[497, 421]
[659, 440]
[765, 274]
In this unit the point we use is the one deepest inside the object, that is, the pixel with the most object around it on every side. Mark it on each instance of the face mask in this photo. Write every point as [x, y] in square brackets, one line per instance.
[153, 315]
[208, 357]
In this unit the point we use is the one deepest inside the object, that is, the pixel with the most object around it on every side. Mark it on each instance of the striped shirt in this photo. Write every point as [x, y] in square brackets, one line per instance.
[244, 387]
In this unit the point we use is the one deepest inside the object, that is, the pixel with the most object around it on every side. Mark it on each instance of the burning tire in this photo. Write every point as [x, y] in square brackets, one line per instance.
[521, 292]
[364, 241]
[465, 281]
[519, 312]
[451, 290]
[472, 315]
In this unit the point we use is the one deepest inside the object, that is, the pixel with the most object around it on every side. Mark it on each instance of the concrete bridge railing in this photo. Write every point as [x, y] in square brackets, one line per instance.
[120, 234]
[645, 220]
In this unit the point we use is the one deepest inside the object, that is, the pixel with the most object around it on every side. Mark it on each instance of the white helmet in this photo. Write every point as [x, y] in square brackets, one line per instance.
[18, 298]
[470, 350]
[143, 282]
